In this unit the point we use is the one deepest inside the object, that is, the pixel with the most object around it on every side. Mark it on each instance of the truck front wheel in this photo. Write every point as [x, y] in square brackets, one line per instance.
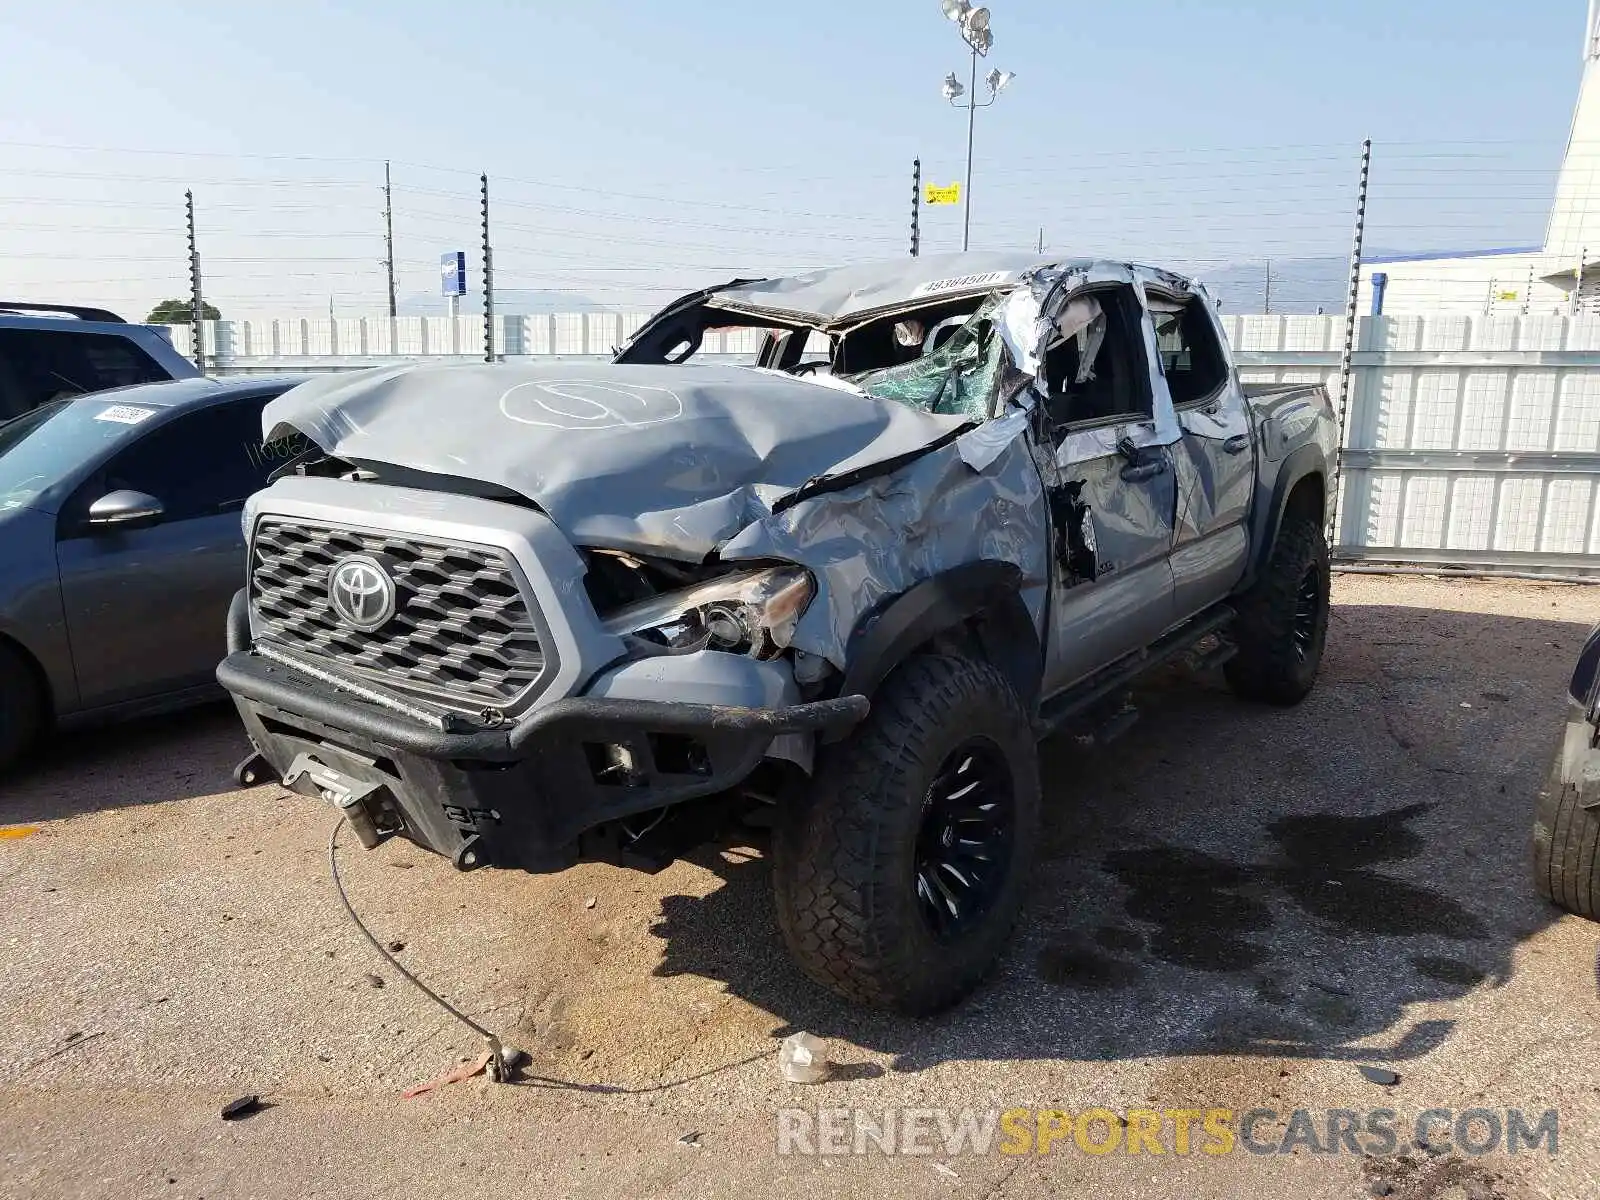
[899, 878]
[1283, 620]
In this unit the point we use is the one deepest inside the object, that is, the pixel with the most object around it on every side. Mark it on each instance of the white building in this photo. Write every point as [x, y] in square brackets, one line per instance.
[1562, 276]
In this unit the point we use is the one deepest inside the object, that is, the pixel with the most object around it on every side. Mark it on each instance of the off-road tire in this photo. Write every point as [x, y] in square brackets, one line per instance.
[844, 857]
[21, 708]
[1278, 658]
[1566, 846]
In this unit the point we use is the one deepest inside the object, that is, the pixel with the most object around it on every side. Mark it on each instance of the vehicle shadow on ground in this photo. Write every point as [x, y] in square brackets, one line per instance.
[150, 760]
[1233, 879]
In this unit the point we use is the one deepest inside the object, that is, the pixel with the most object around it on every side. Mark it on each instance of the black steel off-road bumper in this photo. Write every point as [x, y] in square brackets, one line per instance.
[521, 796]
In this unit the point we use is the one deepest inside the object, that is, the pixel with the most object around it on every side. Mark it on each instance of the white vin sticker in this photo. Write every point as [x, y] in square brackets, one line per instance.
[962, 283]
[124, 414]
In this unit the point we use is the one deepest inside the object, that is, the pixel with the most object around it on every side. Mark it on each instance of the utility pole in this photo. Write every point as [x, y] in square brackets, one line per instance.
[488, 278]
[197, 311]
[916, 207]
[388, 234]
[972, 121]
[1269, 288]
[1346, 359]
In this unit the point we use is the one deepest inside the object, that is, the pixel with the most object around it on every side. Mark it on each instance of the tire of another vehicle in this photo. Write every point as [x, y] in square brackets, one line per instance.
[1566, 846]
[1282, 627]
[21, 712]
[944, 771]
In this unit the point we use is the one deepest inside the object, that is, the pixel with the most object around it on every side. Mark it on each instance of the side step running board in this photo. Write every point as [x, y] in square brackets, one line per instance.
[1058, 710]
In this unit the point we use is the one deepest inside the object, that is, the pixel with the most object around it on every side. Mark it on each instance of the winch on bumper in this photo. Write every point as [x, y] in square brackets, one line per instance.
[515, 797]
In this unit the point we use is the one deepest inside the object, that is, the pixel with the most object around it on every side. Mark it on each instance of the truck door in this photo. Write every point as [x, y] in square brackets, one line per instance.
[1113, 494]
[1215, 458]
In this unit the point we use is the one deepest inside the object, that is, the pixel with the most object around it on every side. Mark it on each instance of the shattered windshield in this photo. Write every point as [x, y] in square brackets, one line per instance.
[958, 378]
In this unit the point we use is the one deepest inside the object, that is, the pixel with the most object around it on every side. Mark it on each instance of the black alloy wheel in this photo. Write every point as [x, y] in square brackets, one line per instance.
[1308, 605]
[965, 838]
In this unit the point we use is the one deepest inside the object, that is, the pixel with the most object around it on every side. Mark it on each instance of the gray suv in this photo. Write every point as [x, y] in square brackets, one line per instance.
[527, 614]
[48, 351]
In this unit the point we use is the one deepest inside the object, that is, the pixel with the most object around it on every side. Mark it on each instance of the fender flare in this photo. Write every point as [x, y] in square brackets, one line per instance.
[1300, 464]
[988, 588]
[239, 622]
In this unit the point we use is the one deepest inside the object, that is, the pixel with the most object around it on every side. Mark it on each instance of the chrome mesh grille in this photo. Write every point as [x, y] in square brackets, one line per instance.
[462, 632]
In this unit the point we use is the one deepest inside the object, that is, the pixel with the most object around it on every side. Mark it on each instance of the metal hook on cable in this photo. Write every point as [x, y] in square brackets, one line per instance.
[502, 1063]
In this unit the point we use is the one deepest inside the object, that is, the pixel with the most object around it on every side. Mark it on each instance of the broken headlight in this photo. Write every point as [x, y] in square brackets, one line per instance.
[751, 613]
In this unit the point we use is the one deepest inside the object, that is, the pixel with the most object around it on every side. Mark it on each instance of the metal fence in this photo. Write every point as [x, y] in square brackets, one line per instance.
[1471, 441]
[1267, 227]
[341, 344]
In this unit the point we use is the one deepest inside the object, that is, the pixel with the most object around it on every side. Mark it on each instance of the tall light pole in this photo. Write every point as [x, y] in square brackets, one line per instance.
[975, 31]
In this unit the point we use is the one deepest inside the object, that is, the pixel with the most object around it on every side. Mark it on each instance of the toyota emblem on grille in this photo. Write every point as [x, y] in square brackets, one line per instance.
[361, 592]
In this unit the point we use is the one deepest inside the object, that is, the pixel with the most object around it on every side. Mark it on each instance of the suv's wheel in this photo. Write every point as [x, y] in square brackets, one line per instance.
[21, 708]
[899, 878]
[1566, 842]
[1283, 620]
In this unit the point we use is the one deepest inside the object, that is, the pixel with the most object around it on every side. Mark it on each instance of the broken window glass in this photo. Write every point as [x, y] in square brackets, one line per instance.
[959, 377]
[1191, 357]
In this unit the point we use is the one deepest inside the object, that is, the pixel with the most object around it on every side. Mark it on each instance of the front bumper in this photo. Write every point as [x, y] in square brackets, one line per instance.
[521, 796]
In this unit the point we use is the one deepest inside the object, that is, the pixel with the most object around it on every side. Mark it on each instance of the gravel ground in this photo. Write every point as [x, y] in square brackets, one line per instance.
[1235, 908]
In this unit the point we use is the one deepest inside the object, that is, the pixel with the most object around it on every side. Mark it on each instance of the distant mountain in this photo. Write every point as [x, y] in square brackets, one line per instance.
[1299, 285]
[522, 302]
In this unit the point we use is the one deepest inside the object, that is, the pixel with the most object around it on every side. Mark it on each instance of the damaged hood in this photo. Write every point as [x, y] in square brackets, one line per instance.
[669, 461]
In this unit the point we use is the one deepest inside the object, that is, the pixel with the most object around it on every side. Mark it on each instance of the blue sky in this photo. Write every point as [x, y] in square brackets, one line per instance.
[638, 147]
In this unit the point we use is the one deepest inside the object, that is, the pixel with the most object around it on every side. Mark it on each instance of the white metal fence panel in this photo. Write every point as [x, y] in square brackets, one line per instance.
[347, 343]
[1470, 441]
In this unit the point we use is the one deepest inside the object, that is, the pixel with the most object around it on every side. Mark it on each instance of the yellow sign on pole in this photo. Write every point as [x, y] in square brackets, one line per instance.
[933, 194]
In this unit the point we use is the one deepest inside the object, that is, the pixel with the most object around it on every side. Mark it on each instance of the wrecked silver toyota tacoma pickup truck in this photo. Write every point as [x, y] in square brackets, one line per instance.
[529, 614]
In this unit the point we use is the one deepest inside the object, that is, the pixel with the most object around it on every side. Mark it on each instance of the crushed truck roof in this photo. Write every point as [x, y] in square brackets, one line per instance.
[842, 293]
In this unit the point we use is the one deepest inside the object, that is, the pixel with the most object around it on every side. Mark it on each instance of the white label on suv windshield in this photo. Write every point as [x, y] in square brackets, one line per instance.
[124, 414]
[962, 283]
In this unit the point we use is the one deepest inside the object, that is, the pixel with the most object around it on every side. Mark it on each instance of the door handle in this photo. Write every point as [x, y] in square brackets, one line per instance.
[1139, 472]
[1237, 445]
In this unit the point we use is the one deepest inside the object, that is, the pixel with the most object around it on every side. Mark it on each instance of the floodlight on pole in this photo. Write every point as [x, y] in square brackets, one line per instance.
[976, 32]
